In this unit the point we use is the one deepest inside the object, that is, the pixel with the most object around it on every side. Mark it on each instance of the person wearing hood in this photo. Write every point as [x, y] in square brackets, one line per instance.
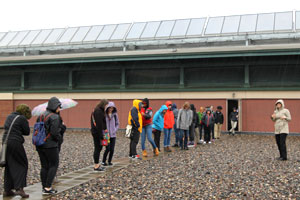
[200, 125]
[146, 113]
[135, 119]
[48, 152]
[234, 117]
[184, 122]
[193, 126]
[158, 124]
[168, 126]
[112, 124]
[176, 130]
[98, 127]
[208, 122]
[16, 168]
[281, 117]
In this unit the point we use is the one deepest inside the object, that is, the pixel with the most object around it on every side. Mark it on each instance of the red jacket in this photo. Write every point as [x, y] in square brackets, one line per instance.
[169, 117]
[148, 112]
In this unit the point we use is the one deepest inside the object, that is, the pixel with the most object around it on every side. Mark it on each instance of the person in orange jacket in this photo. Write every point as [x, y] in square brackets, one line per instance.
[168, 125]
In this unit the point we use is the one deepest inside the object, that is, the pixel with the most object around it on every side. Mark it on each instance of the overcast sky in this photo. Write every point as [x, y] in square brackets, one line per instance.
[41, 14]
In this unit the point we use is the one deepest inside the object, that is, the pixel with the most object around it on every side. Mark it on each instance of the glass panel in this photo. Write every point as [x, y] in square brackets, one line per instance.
[196, 26]
[41, 37]
[68, 34]
[120, 32]
[93, 33]
[9, 81]
[248, 23]
[80, 34]
[231, 24]
[18, 38]
[46, 79]
[30, 37]
[265, 22]
[9, 36]
[165, 29]
[298, 20]
[2, 35]
[180, 27]
[107, 32]
[150, 29]
[153, 78]
[54, 35]
[284, 21]
[214, 25]
[97, 78]
[136, 30]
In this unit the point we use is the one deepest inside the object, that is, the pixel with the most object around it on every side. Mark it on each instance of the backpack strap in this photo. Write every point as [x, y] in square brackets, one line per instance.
[45, 119]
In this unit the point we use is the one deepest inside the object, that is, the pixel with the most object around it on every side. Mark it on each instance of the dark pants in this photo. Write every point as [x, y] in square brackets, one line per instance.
[192, 132]
[280, 140]
[157, 134]
[49, 163]
[109, 149]
[184, 134]
[97, 148]
[200, 127]
[212, 130]
[207, 131]
[17, 165]
[134, 140]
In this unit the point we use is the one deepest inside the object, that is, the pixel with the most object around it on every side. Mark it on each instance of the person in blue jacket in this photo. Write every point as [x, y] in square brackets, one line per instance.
[158, 125]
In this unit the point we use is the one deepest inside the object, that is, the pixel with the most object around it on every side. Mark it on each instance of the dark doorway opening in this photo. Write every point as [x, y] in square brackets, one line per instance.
[230, 105]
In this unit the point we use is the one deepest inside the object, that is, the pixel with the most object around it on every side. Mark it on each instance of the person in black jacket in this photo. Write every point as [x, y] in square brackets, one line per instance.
[219, 120]
[49, 152]
[17, 164]
[193, 126]
[234, 116]
[98, 126]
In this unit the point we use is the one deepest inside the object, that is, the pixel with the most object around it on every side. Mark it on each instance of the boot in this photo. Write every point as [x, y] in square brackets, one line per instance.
[145, 153]
[165, 149]
[169, 149]
[156, 152]
[9, 193]
[21, 193]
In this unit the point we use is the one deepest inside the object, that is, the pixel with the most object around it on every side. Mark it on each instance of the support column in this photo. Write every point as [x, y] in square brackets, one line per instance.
[22, 80]
[181, 82]
[123, 78]
[70, 80]
[246, 77]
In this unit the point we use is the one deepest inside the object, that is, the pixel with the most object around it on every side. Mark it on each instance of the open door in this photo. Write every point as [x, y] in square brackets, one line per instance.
[232, 103]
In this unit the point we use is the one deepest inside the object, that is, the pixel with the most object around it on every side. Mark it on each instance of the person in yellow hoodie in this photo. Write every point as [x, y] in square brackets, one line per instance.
[135, 119]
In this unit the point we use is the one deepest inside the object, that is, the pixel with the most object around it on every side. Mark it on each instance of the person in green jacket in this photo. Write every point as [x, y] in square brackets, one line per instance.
[200, 126]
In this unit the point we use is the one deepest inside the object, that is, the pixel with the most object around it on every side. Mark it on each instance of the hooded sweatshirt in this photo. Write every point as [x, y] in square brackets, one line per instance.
[147, 111]
[169, 117]
[185, 119]
[281, 125]
[208, 119]
[158, 119]
[175, 111]
[135, 117]
[112, 122]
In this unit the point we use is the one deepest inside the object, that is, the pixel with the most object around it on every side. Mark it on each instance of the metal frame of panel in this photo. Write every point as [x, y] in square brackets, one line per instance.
[210, 24]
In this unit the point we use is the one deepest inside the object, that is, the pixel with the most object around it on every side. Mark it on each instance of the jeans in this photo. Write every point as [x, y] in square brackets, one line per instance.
[156, 134]
[177, 134]
[167, 137]
[185, 134]
[280, 140]
[147, 130]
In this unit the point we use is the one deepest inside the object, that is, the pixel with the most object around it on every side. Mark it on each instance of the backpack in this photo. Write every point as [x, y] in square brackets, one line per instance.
[39, 136]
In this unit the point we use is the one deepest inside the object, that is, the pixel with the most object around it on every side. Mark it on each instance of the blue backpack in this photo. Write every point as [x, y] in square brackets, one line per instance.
[39, 136]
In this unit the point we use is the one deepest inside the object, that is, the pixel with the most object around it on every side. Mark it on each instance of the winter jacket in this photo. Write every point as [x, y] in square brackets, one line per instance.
[195, 116]
[175, 111]
[147, 111]
[208, 119]
[233, 116]
[281, 125]
[135, 117]
[169, 117]
[185, 118]
[98, 122]
[53, 124]
[112, 122]
[19, 128]
[158, 119]
[200, 115]
[219, 118]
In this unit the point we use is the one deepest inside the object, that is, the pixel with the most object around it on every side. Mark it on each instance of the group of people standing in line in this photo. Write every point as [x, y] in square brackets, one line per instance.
[104, 119]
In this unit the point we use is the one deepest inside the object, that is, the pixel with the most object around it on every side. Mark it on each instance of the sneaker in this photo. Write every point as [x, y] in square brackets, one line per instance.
[186, 148]
[104, 164]
[51, 191]
[136, 157]
[175, 145]
[99, 169]
[209, 142]
[204, 142]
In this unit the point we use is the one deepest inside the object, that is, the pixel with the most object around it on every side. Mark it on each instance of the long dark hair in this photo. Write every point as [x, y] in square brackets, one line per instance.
[102, 104]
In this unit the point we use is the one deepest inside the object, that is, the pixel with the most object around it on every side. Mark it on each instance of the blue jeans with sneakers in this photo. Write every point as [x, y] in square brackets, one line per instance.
[177, 134]
[147, 130]
[167, 137]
